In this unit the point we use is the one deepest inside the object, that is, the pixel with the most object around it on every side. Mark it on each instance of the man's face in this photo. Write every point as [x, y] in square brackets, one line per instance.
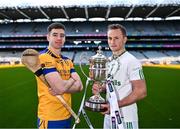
[56, 38]
[116, 40]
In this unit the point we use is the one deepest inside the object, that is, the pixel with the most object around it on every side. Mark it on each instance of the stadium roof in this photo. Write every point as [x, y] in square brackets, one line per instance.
[102, 9]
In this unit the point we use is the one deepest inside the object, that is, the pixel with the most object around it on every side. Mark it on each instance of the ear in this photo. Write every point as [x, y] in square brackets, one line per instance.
[125, 39]
[47, 37]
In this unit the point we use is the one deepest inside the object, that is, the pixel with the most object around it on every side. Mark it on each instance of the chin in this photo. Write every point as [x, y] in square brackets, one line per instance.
[113, 49]
[58, 47]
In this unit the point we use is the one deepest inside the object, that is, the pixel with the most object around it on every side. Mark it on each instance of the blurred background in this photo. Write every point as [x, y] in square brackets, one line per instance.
[153, 30]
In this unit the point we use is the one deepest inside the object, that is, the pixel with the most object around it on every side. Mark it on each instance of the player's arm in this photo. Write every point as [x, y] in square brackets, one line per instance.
[138, 93]
[136, 76]
[77, 85]
[57, 84]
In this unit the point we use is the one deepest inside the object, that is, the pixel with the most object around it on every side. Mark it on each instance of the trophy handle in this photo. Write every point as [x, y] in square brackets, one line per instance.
[83, 56]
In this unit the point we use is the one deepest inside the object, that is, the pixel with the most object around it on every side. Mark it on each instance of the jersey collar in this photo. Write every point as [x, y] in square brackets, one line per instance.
[53, 54]
[114, 57]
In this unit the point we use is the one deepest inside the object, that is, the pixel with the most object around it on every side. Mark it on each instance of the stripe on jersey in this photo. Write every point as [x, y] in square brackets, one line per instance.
[72, 70]
[39, 72]
[49, 70]
[141, 74]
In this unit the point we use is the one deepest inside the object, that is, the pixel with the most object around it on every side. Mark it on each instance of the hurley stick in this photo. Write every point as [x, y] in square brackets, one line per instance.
[30, 58]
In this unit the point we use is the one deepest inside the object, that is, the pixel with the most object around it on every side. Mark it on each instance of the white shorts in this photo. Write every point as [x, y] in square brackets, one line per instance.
[127, 125]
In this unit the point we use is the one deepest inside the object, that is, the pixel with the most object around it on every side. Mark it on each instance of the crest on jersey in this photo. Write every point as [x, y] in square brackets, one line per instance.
[113, 67]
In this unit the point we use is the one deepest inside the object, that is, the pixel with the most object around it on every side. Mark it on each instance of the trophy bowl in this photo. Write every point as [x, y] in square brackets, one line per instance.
[98, 74]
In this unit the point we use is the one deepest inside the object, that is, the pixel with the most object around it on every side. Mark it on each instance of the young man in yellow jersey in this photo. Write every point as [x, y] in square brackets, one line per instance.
[59, 72]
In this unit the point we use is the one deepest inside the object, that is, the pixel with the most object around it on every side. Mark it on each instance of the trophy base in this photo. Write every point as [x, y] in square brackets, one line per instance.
[94, 106]
[94, 103]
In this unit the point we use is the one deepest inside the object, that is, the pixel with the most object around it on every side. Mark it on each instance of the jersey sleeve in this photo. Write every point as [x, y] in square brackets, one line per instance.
[72, 69]
[48, 64]
[135, 70]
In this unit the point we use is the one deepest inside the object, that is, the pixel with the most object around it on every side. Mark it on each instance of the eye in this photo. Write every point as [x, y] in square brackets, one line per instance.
[55, 35]
[109, 38]
[116, 38]
[62, 35]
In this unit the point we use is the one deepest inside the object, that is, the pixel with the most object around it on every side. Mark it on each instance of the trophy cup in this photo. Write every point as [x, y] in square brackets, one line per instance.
[98, 74]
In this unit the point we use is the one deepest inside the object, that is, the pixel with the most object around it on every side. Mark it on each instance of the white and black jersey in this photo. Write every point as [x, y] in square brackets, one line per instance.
[128, 69]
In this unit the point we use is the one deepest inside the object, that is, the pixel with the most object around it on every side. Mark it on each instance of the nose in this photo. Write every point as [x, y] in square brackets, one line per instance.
[112, 41]
[59, 37]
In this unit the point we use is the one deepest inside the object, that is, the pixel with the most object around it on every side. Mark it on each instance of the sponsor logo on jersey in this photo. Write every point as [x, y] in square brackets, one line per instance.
[116, 83]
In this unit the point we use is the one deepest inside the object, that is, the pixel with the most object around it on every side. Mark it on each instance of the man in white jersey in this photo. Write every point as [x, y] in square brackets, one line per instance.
[128, 80]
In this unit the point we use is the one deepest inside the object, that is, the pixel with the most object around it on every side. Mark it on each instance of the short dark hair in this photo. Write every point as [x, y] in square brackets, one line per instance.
[55, 26]
[117, 26]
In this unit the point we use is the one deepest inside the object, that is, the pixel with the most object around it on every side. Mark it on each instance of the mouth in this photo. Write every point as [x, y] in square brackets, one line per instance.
[58, 42]
[112, 46]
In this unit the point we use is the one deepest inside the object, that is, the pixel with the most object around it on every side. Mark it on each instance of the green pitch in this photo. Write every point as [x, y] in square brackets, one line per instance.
[160, 109]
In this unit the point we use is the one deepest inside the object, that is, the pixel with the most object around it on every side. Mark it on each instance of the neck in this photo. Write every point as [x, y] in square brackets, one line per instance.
[56, 51]
[118, 53]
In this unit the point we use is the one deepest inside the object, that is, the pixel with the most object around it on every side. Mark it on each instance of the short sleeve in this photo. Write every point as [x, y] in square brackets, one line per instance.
[48, 64]
[72, 69]
[135, 70]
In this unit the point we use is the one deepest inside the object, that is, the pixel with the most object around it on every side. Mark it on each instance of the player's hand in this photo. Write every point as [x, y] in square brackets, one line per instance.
[107, 107]
[78, 85]
[75, 79]
[96, 88]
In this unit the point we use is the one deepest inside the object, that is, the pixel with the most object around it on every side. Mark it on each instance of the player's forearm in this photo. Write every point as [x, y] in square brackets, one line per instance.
[138, 93]
[61, 87]
[68, 84]
[77, 87]
[127, 101]
[131, 98]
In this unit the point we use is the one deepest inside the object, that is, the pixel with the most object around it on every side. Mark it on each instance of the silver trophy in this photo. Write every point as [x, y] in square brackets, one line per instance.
[98, 74]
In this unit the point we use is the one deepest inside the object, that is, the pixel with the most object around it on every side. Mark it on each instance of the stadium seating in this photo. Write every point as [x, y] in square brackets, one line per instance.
[77, 28]
[83, 57]
[21, 36]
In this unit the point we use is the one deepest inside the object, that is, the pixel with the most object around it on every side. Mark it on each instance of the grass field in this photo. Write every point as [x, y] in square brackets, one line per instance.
[160, 109]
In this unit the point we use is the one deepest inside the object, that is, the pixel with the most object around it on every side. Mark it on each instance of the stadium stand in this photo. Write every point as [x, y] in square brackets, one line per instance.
[83, 57]
[68, 54]
[150, 41]
[135, 28]
[138, 54]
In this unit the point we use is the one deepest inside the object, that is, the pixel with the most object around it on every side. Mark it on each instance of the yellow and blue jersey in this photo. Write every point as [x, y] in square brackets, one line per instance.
[49, 107]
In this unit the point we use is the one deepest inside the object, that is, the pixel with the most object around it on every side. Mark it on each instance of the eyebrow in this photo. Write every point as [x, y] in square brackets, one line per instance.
[58, 33]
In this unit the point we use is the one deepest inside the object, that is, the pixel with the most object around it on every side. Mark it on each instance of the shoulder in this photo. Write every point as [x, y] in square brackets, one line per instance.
[131, 59]
[66, 58]
[45, 53]
[46, 59]
[45, 56]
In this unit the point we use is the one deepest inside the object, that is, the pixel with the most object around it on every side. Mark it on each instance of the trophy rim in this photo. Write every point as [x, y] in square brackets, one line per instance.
[97, 102]
[95, 109]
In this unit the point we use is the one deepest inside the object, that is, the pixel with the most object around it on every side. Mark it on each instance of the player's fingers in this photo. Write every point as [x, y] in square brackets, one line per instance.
[106, 108]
